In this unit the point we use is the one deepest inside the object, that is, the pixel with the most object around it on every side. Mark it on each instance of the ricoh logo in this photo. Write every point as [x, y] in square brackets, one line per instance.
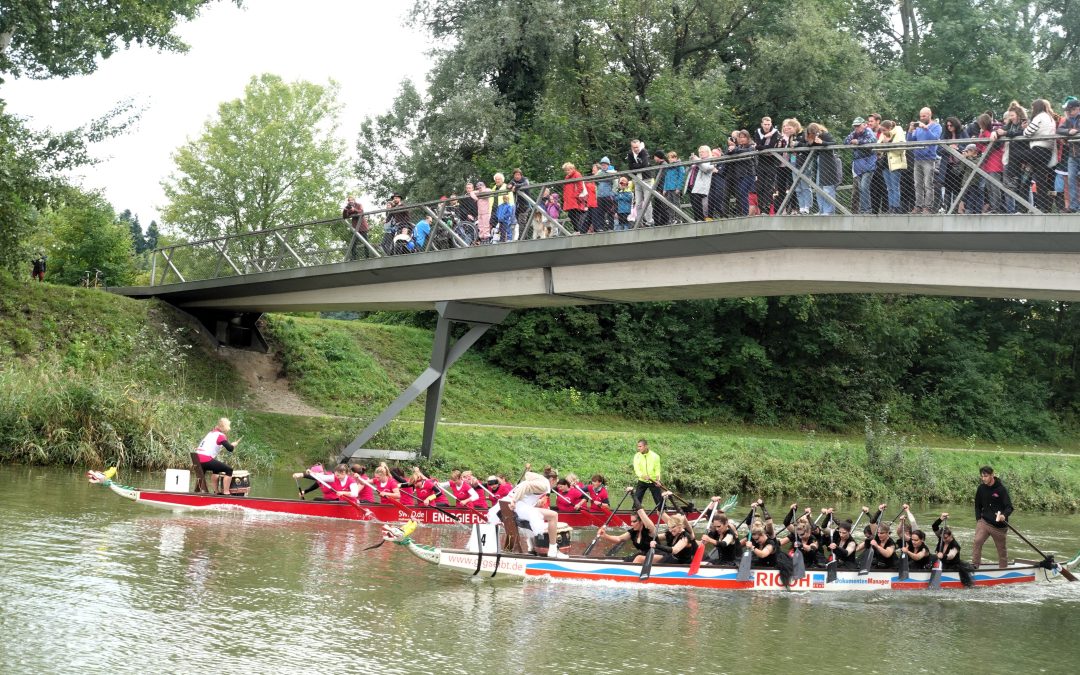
[772, 580]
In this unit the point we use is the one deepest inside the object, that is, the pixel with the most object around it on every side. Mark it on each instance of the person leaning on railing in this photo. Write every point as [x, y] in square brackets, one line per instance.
[1069, 125]
[1042, 155]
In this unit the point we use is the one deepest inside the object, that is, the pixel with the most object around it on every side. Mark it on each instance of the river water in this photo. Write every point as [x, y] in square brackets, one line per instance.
[93, 583]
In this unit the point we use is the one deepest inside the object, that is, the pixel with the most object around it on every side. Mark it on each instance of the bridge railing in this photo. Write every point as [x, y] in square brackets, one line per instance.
[967, 177]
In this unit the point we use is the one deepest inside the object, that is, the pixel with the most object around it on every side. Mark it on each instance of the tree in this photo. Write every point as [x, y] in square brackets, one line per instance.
[152, 236]
[67, 37]
[131, 220]
[268, 159]
[88, 236]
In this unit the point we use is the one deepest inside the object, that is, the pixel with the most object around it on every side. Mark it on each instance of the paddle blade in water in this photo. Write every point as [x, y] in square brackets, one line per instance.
[867, 561]
[830, 571]
[695, 564]
[798, 565]
[903, 567]
[935, 576]
[744, 566]
[646, 567]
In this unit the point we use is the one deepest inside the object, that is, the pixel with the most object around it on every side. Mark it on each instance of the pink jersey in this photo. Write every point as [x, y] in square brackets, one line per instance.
[466, 496]
[366, 493]
[331, 484]
[503, 490]
[408, 495]
[568, 501]
[426, 489]
[388, 485]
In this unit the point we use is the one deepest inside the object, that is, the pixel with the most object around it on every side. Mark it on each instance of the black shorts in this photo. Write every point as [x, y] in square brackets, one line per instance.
[216, 466]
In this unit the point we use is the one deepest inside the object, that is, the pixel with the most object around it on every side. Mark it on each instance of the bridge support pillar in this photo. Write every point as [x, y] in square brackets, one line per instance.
[433, 380]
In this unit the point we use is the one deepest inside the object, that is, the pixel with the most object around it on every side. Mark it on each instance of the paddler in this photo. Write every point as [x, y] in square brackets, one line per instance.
[639, 534]
[333, 485]
[522, 501]
[464, 494]
[359, 471]
[427, 490]
[208, 450]
[385, 484]
[722, 535]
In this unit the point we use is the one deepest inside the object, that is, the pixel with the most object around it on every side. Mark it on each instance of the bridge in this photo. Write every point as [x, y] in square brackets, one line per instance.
[228, 282]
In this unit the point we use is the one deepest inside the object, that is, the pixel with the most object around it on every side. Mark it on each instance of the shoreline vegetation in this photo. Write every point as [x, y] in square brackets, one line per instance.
[88, 379]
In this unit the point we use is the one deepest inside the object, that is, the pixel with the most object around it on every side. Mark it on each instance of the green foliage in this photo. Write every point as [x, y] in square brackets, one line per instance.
[90, 378]
[269, 159]
[87, 236]
[65, 38]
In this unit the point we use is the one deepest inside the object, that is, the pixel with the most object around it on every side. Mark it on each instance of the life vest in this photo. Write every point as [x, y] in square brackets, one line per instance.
[210, 445]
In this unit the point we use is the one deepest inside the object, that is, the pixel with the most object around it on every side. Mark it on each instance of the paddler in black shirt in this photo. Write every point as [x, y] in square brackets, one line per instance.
[884, 547]
[843, 546]
[640, 533]
[921, 558]
[992, 510]
[763, 548]
[722, 535]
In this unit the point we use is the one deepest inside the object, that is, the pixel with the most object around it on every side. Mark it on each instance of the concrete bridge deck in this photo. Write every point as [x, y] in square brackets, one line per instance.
[1029, 256]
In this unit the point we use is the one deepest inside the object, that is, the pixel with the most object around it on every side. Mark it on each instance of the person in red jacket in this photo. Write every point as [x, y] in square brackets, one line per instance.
[575, 198]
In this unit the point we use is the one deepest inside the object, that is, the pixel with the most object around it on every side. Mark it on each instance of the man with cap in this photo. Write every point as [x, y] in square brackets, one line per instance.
[605, 196]
[1070, 126]
[863, 163]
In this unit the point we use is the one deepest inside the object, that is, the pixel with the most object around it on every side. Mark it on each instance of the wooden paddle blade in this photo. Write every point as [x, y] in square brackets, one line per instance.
[646, 567]
[935, 577]
[798, 565]
[695, 564]
[1067, 574]
[744, 566]
[903, 567]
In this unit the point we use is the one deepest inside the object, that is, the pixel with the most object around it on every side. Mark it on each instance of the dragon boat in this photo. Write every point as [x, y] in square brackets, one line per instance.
[491, 562]
[182, 500]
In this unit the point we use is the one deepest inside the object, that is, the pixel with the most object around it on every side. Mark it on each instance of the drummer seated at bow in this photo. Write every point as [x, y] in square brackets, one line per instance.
[640, 533]
[207, 453]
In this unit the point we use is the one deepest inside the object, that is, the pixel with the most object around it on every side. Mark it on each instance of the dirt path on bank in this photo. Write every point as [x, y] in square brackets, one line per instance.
[269, 390]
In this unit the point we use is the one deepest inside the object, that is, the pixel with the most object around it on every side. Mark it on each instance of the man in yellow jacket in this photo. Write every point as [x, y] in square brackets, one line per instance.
[647, 469]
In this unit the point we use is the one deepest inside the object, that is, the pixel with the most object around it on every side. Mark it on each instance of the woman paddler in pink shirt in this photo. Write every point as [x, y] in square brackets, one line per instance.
[427, 489]
[385, 484]
[464, 495]
[367, 494]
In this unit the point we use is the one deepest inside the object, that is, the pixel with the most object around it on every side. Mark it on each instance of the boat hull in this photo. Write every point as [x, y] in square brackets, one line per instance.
[386, 513]
[721, 578]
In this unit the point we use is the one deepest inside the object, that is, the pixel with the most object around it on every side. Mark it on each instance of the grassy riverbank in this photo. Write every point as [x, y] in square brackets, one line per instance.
[89, 379]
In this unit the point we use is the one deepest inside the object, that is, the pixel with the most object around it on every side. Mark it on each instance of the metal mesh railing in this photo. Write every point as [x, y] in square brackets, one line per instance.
[817, 175]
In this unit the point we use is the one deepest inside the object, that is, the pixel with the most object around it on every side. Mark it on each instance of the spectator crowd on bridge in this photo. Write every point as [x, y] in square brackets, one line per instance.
[1024, 159]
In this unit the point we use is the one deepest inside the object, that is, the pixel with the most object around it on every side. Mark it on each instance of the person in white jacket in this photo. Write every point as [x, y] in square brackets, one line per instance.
[1042, 155]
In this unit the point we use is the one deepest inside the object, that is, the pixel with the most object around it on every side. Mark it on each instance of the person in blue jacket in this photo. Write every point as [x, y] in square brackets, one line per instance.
[926, 129]
[421, 232]
[863, 161]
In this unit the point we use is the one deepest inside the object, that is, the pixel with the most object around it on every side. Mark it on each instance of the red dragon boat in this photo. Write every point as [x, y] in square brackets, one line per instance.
[372, 512]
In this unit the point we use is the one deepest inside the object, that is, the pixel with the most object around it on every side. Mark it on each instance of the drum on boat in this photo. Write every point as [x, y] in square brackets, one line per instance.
[562, 539]
[241, 483]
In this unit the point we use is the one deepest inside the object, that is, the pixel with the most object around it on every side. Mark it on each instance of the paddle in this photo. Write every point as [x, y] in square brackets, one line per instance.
[903, 565]
[746, 560]
[611, 552]
[299, 489]
[716, 506]
[588, 514]
[646, 567]
[689, 504]
[935, 574]
[343, 496]
[868, 559]
[1047, 559]
[695, 562]
[611, 514]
